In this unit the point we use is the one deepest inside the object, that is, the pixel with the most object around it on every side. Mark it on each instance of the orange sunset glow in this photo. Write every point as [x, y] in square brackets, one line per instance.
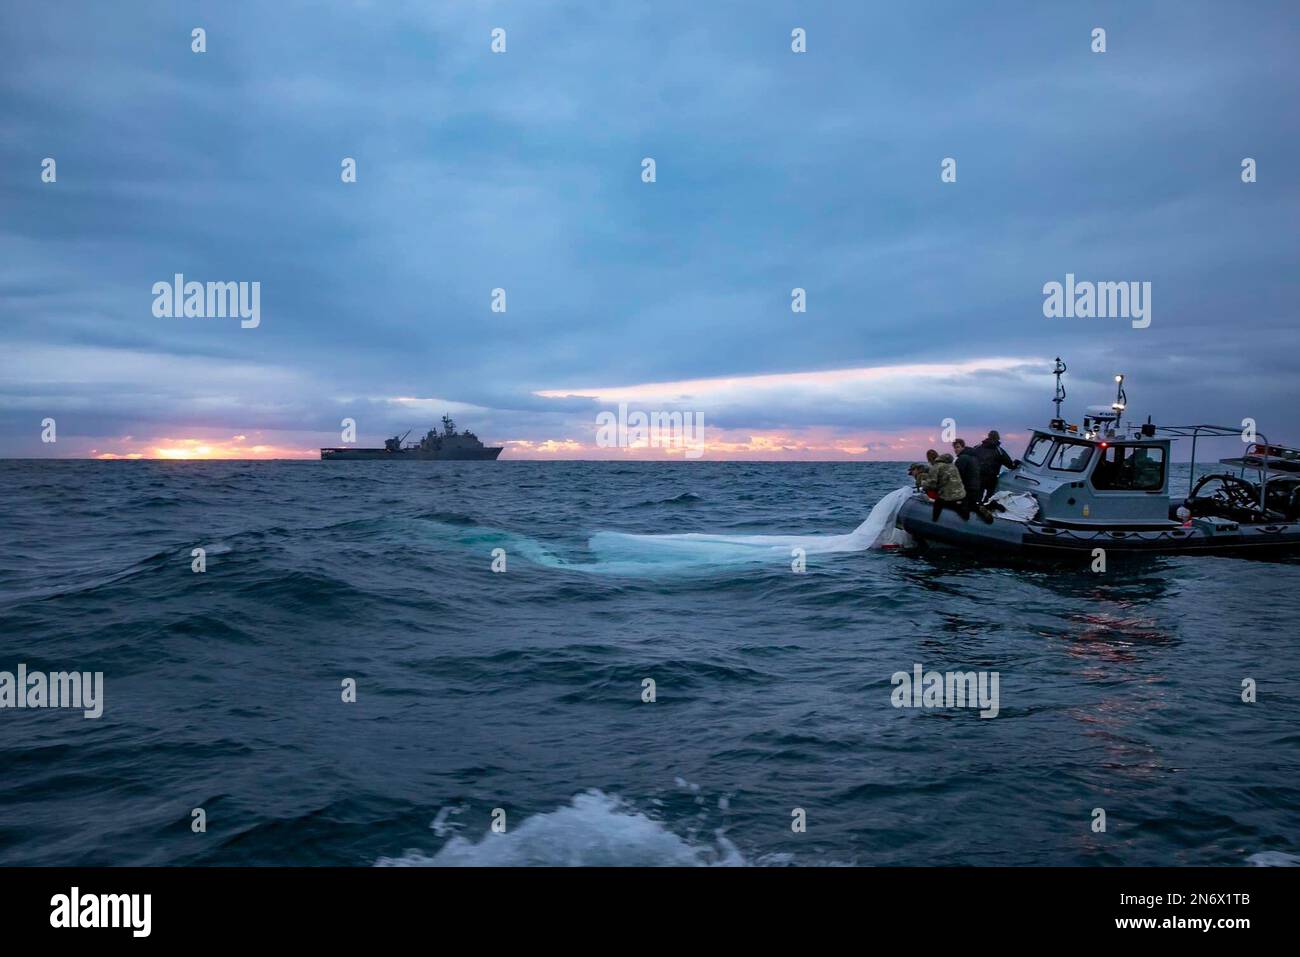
[808, 444]
[187, 449]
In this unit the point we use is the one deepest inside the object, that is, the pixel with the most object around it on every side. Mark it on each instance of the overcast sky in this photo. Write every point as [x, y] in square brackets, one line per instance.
[522, 171]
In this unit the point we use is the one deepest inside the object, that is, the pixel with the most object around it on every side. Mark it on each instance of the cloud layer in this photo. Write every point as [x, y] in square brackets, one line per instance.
[522, 171]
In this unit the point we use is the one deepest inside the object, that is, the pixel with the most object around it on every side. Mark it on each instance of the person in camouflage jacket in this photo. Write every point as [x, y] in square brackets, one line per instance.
[944, 480]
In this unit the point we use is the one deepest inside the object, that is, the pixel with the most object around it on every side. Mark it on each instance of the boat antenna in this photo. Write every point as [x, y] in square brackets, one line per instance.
[1121, 400]
[1060, 389]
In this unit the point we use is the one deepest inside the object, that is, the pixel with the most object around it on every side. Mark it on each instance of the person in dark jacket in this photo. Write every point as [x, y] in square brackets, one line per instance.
[991, 457]
[968, 466]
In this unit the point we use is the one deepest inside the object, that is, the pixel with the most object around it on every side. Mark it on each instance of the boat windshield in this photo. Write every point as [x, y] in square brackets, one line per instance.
[1039, 446]
[1070, 457]
[1130, 468]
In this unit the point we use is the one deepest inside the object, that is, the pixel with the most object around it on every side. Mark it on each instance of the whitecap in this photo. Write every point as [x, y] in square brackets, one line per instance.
[1273, 859]
[594, 830]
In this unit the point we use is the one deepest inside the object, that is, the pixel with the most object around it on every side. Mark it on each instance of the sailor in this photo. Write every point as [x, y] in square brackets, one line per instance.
[968, 467]
[1146, 470]
[944, 480]
[991, 457]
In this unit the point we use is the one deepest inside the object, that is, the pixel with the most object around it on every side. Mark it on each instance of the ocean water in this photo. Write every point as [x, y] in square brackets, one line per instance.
[517, 695]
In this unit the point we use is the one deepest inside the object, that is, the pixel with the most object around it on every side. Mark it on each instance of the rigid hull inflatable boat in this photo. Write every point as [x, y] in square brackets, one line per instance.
[1106, 485]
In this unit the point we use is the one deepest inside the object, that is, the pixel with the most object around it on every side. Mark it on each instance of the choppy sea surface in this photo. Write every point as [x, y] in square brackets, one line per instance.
[516, 696]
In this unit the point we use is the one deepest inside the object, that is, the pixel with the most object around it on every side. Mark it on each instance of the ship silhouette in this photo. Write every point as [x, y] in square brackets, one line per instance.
[446, 446]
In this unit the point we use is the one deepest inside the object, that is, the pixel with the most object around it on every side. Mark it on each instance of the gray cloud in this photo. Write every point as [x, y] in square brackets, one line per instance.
[522, 171]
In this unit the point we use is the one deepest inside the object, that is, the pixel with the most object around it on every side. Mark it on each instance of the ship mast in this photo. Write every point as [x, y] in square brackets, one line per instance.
[1060, 367]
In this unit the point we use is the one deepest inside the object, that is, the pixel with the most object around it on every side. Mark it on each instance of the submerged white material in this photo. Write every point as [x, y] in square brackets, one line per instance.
[881, 527]
[621, 553]
[879, 530]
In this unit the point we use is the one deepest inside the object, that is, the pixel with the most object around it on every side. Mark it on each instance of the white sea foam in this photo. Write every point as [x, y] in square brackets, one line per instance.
[594, 830]
[1273, 859]
[441, 826]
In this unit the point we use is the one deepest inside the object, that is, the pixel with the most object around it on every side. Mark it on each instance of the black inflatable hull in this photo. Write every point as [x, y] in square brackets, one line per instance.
[1038, 539]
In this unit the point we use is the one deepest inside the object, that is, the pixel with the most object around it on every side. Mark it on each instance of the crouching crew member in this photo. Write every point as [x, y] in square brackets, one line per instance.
[944, 480]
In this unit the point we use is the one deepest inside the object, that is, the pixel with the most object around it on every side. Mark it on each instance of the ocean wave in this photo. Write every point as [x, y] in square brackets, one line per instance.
[1273, 859]
[448, 518]
[305, 589]
[594, 830]
[685, 498]
[92, 578]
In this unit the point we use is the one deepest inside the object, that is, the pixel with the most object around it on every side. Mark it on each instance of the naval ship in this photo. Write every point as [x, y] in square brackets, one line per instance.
[448, 446]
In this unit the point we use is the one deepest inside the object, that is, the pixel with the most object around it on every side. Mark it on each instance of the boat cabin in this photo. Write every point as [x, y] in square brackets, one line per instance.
[1095, 475]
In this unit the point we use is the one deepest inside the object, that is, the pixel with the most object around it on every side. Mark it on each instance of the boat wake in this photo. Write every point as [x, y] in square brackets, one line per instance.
[594, 830]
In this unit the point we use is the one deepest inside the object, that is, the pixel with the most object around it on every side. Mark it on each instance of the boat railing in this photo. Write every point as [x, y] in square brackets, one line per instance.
[1221, 431]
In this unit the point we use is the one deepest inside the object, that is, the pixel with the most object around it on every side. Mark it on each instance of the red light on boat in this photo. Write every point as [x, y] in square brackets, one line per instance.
[1102, 445]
